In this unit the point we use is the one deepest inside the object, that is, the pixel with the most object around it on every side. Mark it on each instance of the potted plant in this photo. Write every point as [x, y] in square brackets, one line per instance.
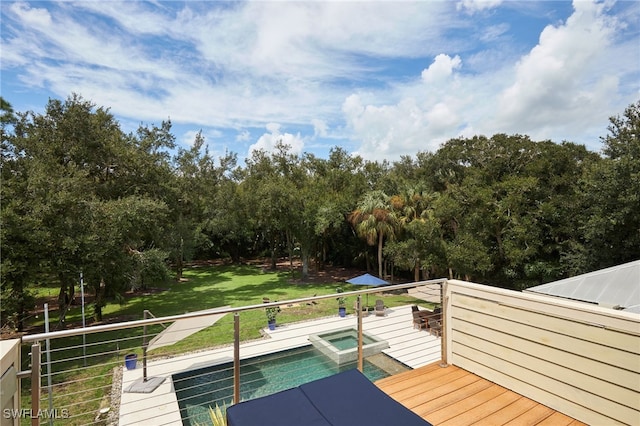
[342, 310]
[272, 312]
[130, 361]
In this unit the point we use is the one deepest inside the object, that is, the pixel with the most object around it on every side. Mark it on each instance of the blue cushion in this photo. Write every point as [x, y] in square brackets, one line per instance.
[286, 408]
[349, 399]
[344, 399]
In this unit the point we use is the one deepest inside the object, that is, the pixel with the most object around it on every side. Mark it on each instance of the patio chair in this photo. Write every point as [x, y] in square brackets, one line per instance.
[380, 309]
[419, 321]
[435, 327]
[438, 313]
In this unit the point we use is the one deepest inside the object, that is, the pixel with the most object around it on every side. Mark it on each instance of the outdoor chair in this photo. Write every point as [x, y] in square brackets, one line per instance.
[438, 313]
[380, 309]
[435, 327]
[419, 321]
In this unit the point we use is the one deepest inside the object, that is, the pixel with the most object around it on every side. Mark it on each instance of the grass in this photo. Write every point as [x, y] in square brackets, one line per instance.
[203, 288]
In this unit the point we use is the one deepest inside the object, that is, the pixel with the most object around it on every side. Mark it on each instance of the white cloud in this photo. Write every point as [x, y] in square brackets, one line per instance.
[268, 141]
[427, 114]
[36, 17]
[494, 32]
[473, 6]
[320, 128]
[333, 71]
[564, 88]
[557, 83]
[441, 68]
[243, 136]
[390, 131]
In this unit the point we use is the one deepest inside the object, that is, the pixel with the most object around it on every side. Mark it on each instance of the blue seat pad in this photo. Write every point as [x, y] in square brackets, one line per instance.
[344, 399]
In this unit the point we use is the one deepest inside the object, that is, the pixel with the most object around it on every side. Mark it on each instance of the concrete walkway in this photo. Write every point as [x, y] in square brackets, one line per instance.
[414, 348]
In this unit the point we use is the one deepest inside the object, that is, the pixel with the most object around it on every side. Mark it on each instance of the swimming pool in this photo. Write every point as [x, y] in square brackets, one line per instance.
[197, 390]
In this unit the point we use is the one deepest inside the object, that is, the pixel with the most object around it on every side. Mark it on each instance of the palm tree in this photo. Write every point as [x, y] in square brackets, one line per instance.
[374, 220]
[414, 209]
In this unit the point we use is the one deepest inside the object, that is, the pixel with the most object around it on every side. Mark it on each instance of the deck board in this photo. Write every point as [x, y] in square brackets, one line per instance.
[454, 396]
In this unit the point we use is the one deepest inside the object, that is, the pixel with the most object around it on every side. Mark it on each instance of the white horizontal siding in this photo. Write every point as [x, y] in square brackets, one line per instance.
[580, 360]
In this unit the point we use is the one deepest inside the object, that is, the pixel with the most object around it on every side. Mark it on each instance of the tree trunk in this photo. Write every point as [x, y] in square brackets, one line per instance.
[305, 264]
[71, 293]
[380, 254]
[273, 254]
[179, 259]
[21, 308]
[97, 312]
[63, 299]
[323, 259]
[179, 267]
[416, 272]
[290, 249]
[98, 303]
[273, 259]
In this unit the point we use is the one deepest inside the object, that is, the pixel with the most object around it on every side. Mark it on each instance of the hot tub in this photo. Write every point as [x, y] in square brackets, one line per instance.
[341, 345]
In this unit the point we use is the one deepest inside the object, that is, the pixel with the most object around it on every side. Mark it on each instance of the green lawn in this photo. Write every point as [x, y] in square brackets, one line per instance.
[203, 288]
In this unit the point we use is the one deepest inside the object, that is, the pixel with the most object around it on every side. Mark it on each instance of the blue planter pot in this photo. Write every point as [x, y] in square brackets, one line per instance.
[272, 325]
[342, 312]
[130, 361]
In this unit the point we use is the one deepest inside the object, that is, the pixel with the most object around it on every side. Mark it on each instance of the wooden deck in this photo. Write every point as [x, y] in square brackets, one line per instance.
[453, 396]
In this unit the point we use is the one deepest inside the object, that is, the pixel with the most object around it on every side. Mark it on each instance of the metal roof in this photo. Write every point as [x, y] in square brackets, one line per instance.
[616, 287]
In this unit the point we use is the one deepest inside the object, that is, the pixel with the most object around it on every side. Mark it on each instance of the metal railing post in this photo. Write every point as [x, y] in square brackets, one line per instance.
[236, 358]
[48, 351]
[360, 354]
[35, 384]
[145, 345]
[444, 301]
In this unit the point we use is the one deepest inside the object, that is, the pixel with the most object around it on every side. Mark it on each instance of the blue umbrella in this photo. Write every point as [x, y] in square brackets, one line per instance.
[367, 279]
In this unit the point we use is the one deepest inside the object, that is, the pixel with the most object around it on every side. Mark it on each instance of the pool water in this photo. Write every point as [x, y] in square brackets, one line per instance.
[197, 390]
[347, 342]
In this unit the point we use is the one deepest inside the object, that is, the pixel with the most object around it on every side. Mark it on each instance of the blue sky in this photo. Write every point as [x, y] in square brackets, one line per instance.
[381, 79]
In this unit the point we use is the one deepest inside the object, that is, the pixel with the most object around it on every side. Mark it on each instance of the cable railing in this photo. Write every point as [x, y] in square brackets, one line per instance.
[85, 376]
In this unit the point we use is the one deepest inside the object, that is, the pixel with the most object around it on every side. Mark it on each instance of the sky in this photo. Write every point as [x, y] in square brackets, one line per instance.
[381, 79]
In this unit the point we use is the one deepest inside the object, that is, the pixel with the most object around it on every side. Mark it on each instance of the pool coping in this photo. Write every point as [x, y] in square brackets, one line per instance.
[344, 356]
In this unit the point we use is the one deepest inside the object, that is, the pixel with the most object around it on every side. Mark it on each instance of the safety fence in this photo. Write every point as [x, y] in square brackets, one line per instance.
[175, 370]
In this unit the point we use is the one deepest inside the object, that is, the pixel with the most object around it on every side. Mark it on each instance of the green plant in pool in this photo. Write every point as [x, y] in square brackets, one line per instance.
[218, 415]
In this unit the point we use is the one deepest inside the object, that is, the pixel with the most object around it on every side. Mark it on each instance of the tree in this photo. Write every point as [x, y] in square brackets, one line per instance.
[269, 193]
[419, 243]
[66, 154]
[611, 191]
[341, 181]
[374, 221]
[116, 259]
[68, 170]
[194, 188]
[20, 230]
